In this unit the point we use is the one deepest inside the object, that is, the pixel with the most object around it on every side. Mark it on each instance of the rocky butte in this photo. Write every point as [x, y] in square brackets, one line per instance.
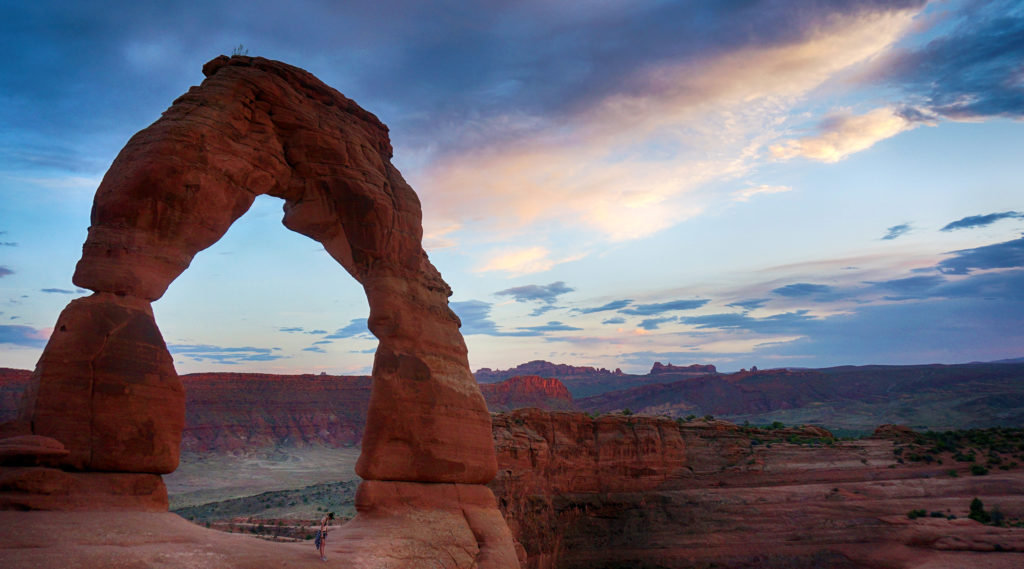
[104, 411]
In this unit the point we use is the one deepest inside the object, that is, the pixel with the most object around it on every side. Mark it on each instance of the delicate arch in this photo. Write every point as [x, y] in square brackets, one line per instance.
[105, 385]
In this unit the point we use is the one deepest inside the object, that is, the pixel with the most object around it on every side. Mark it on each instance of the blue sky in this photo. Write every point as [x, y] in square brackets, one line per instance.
[603, 182]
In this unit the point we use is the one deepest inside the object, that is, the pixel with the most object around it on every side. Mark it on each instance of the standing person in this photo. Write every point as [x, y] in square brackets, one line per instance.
[324, 523]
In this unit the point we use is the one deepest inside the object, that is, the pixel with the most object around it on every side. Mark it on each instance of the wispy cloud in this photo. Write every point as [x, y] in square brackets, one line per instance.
[22, 336]
[973, 221]
[896, 231]
[519, 261]
[224, 355]
[997, 256]
[746, 193]
[800, 290]
[662, 307]
[654, 323]
[553, 326]
[356, 328]
[547, 294]
[476, 319]
[4, 271]
[844, 133]
[613, 305]
[751, 304]
[57, 291]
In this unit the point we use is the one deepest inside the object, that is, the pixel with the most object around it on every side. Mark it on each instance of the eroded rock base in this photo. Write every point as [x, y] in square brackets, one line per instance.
[41, 488]
[412, 525]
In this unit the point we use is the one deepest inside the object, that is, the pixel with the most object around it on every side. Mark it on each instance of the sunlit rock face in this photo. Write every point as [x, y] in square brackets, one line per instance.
[105, 386]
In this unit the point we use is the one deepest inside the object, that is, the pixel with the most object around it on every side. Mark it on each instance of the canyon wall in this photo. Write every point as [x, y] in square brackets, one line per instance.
[650, 492]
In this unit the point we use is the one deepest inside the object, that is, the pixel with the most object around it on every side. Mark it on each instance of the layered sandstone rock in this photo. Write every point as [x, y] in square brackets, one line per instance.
[634, 491]
[105, 386]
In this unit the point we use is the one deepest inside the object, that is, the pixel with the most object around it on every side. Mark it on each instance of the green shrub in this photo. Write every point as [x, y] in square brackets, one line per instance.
[978, 470]
[978, 513]
[914, 514]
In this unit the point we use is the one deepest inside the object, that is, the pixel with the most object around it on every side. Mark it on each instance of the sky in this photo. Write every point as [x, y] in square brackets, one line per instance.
[604, 183]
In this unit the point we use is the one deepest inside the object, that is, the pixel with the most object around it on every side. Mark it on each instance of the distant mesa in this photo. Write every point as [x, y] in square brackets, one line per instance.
[544, 369]
[658, 368]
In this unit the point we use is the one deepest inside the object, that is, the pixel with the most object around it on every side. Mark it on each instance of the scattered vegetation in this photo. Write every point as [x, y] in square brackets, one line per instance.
[297, 504]
[239, 50]
[980, 449]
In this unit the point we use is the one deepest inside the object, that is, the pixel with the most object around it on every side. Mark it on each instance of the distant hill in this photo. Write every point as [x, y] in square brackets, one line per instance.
[854, 398]
[584, 381]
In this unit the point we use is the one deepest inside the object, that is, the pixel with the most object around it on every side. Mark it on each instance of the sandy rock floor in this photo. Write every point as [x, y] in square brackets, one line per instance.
[130, 540]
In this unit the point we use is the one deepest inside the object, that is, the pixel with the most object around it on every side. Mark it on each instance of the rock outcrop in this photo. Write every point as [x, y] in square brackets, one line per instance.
[697, 369]
[522, 391]
[105, 385]
[640, 491]
[543, 369]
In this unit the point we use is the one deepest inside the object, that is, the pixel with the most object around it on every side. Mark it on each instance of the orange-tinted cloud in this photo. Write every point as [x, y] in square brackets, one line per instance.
[634, 162]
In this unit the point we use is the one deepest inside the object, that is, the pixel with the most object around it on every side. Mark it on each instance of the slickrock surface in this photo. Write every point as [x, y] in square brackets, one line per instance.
[629, 491]
[105, 386]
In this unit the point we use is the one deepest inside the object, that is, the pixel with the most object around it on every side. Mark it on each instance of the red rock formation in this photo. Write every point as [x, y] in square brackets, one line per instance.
[543, 369]
[105, 386]
[658, 368]
[527, 391]
[636, 491]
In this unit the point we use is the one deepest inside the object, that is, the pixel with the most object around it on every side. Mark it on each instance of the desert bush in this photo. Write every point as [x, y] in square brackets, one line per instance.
[978, 513]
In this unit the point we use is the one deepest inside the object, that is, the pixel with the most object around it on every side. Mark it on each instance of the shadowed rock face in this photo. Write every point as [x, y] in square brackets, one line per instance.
[105, 385]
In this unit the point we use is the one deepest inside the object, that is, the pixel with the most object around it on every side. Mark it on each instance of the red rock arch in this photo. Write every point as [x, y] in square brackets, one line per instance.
[105, 385]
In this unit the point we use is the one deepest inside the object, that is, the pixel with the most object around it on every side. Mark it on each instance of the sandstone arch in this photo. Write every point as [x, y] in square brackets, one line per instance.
[105, 385]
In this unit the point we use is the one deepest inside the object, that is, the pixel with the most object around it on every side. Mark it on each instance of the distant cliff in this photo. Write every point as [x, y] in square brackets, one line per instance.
[227, 412]
[543, 369]
[527, 391]
[583, 381]
[695, 369]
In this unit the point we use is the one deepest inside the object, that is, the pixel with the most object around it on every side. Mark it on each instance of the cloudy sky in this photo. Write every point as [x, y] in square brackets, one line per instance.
[604, 182]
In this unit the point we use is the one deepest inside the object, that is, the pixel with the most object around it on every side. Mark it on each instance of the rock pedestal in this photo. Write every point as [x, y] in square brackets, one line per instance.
[105, 386]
